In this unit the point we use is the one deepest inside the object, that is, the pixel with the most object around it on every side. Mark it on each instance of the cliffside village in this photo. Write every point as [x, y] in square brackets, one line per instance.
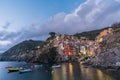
[68, 45]
[103, 50]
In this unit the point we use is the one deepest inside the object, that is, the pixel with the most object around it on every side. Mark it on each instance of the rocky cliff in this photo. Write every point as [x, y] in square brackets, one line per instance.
[108, 53]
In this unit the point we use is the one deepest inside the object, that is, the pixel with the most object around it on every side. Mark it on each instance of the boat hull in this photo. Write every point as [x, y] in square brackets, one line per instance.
[58, 66]
[13, 69]
[25, 70]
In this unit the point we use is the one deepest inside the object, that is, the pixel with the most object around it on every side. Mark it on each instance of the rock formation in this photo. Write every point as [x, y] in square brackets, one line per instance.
[108, 52]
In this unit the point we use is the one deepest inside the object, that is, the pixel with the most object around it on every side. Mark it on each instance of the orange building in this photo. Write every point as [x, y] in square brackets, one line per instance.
[103, 34]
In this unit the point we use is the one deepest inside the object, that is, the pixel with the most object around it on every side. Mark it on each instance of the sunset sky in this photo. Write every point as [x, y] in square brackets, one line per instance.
[34, 19]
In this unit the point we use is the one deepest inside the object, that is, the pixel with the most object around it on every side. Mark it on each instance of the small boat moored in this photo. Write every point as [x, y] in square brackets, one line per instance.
[37, 66]
[13, 69]
[57, 66]
[25, 70]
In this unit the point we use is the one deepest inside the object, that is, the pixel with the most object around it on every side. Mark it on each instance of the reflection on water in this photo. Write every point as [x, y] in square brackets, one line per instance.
[75, 71]
[68, 71]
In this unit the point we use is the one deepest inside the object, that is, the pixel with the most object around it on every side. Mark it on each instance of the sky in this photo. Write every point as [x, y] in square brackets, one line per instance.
[34, 19]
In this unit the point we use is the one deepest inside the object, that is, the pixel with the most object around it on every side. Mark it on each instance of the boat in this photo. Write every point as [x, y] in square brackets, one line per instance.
[57, 66]
[10, 69]
[37, 66]
[25, 70]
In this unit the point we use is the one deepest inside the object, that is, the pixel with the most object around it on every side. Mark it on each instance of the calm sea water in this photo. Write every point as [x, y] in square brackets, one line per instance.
[68, 71]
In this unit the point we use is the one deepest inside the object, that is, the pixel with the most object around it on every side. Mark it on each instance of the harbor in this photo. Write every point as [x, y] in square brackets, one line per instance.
[67, 71]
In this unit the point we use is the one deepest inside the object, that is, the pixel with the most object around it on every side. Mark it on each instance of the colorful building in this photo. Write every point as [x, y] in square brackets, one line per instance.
[68, 50]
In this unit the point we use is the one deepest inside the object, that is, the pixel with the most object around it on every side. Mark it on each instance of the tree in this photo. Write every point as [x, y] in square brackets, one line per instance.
[52, 34]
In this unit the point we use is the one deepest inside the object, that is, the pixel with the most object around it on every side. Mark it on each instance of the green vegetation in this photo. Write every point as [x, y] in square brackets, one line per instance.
[89, 34]
[52, 35]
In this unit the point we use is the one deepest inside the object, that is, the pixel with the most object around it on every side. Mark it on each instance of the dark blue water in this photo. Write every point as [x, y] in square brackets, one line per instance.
[68, 71]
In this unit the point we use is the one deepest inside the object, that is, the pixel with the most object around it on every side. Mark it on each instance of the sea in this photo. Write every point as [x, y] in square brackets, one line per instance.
[67, 71]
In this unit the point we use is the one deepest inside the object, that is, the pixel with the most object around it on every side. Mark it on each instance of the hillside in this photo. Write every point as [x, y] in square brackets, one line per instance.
[19, 51]
[90, 34]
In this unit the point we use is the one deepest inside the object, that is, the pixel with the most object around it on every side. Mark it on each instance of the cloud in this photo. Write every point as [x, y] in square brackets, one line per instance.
[90, 15]
[7, 37]
[5, 43]
[94, 14]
